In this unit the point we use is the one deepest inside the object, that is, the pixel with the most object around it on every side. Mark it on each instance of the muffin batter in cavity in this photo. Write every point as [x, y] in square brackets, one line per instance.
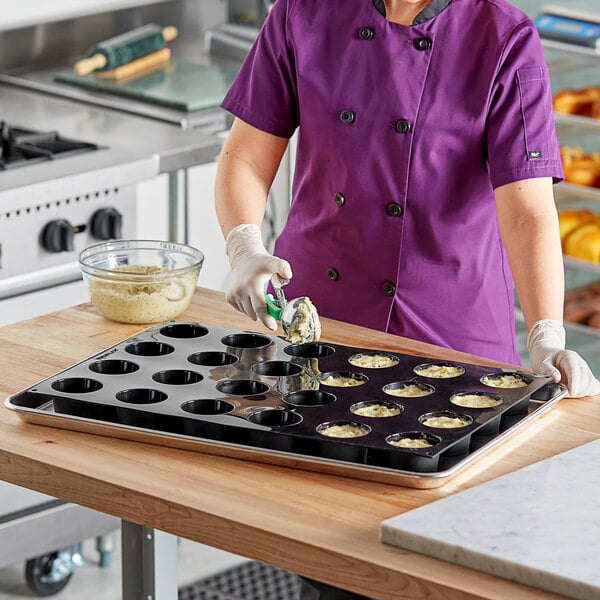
[439, 371]
[377, 410]
[445, 422]
[406, 442]
[510, 380]
[341, 381]
[410, 390]
[373, 361]
[475, 400]
[345, 430]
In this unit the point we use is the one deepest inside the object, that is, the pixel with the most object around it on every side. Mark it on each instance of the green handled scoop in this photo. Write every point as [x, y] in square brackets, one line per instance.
[299, 318]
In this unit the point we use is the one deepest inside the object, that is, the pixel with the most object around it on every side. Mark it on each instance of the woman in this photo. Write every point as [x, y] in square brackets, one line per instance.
[423, 182]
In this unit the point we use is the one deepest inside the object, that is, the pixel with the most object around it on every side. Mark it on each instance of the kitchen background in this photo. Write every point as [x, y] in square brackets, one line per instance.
[133, 167]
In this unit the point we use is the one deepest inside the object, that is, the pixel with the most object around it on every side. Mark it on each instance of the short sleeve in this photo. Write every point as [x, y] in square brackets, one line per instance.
[521, 134]
[264, 92]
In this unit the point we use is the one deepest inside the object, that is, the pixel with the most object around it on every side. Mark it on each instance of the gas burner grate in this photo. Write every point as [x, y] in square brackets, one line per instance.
[20, 147]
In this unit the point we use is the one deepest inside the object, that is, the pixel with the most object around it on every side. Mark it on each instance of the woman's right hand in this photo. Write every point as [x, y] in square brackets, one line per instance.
[251, 269]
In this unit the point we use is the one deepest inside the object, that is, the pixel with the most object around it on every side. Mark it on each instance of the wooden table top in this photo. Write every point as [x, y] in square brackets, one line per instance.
[321, 526]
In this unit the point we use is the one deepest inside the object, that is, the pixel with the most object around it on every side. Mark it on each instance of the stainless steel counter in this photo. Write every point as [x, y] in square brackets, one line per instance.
[131, 145]
[30, 57]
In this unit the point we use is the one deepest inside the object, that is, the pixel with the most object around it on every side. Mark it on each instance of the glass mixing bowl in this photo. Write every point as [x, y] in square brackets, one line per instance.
[140, 281]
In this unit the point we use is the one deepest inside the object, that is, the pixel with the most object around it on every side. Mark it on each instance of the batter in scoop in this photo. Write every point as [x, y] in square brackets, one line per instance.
[306, 325]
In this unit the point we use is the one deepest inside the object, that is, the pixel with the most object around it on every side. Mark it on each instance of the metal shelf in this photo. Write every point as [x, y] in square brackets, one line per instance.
[581, 265]
[571, 48]
[576, 120]
[575, 193]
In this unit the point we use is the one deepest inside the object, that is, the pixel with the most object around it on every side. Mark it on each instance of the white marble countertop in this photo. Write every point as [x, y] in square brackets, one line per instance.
[539, 526]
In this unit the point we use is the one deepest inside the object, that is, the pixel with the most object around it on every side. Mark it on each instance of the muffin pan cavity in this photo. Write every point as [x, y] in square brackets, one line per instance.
[114, 367]
[323, 406]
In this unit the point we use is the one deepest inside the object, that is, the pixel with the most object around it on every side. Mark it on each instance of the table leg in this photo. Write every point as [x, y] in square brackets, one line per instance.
[178, 206]
[149, 563]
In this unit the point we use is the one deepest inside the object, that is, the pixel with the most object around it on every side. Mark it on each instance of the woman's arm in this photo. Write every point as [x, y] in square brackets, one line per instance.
[247, 166]
[528, 223]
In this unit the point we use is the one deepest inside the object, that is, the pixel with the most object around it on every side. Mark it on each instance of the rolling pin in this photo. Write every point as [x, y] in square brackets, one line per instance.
[137, 67]
[124, 48]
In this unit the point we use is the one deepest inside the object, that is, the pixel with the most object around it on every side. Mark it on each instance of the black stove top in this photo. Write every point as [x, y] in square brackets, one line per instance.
[20, 147]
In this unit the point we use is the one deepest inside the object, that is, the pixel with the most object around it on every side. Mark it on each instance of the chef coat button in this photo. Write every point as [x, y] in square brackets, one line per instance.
[340, 199]
[394, 210]
[366, 33]
[402, 126]
[389, 289]
[422, 43]
[347, 116]
[333, 274]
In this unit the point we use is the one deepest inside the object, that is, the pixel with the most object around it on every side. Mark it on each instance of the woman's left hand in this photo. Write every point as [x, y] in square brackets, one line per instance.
[546, 345]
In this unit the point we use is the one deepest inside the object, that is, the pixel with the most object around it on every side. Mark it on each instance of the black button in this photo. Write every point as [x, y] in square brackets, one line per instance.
[394, 210]
[347, 116]
[389, 289]
[402, 126]
[366, 33]
[422, 43]
[333, 274]
[340, 199]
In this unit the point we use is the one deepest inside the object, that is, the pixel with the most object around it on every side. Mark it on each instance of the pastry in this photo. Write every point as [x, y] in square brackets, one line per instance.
[579, 311]
[594, 320]
[572, 101]
[576, 101]
[584, 241]
[583, 170]
[570, 219]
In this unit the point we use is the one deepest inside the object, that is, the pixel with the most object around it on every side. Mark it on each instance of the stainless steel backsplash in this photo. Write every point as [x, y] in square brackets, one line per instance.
[51, 44]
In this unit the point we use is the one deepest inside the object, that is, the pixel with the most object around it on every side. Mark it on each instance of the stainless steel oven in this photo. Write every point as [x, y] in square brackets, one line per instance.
[42, 230]
[53, 203]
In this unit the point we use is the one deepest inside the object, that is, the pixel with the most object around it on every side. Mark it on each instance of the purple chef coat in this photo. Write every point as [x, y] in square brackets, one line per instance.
[404, 132]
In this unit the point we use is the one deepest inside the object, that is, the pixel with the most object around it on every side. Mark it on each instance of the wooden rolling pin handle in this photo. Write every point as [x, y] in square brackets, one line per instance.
[137, 66]
[87, 65]
[169, 33]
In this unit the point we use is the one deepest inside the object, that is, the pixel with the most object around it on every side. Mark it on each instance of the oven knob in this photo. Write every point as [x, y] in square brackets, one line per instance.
[106, 223]
[57, 236]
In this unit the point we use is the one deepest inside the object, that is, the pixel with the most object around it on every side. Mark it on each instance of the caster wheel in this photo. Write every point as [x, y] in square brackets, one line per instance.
[47, 574]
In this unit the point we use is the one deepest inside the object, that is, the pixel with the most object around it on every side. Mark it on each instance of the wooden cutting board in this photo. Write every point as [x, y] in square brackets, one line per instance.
[179, 85]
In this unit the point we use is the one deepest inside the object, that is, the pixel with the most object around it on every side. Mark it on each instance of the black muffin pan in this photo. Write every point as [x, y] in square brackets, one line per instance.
[256, 391]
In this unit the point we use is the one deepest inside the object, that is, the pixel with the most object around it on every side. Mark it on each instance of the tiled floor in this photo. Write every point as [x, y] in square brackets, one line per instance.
[90, 582]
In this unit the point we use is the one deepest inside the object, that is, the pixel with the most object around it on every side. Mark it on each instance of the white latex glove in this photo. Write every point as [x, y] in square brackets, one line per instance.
[251, 269]
[546, 345]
